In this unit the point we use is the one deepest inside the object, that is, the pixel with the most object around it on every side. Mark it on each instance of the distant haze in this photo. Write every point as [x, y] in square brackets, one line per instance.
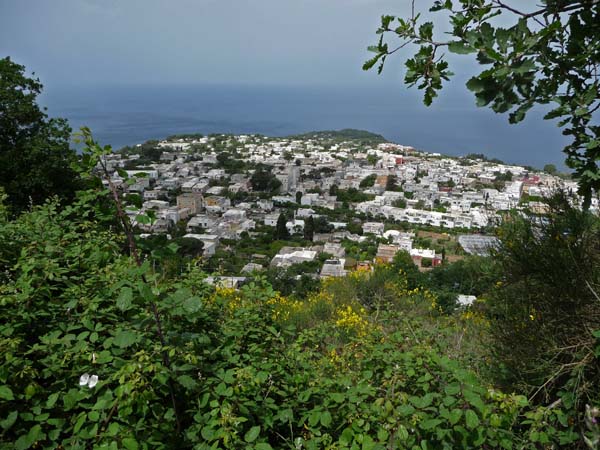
[139, 69]
[191, 41]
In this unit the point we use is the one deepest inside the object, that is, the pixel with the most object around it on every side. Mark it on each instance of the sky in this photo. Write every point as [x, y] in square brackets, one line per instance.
[296, 42]
[264, 43]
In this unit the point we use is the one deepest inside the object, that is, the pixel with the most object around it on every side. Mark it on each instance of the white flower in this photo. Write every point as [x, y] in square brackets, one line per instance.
[93, 381]
[89, 380]
[83, 379]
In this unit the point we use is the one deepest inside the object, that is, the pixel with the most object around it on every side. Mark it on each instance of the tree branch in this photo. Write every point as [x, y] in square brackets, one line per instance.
[135, 254]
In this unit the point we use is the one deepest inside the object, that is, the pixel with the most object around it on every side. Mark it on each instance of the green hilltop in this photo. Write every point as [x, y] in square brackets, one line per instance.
[342, 135]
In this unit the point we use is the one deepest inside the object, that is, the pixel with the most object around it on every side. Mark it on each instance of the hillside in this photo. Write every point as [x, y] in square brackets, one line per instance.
[106, 350]
[342, 135]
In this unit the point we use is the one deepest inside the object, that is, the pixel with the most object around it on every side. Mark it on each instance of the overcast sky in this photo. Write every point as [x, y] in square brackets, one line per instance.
[189, 41]
[247, 42]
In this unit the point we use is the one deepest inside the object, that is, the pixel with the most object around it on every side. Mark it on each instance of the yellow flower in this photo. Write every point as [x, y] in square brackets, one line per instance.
[350, 321]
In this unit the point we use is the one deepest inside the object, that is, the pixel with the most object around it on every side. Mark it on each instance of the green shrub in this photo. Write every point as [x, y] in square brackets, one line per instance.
[545, 307]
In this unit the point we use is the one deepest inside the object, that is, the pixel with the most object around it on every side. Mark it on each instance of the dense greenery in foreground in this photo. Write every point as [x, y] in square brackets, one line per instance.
[99, 351]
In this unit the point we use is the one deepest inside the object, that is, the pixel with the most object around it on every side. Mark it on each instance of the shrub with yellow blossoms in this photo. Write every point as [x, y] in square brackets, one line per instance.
[352, 322]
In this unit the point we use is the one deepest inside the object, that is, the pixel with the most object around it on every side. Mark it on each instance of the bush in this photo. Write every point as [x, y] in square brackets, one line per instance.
[84, 364]
[368, 181]
[545, 308]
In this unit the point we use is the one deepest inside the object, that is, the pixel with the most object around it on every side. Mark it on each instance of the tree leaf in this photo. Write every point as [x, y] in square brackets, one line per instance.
[429, 424]
[187, 381]
[326, 418]
[252, 434]
[26, 441]
[262, 446]
[460, 48]
[6, 393]
[192, 304]
[51, 400]
[455, 416]
[125, 338]
[402, 433]
[143, 219]
[9, 421]
[130, 444]
[124, 299]
[471, 419]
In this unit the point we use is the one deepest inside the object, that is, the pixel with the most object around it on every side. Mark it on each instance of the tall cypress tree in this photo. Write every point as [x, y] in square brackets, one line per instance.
[309, 228]
[281, 231]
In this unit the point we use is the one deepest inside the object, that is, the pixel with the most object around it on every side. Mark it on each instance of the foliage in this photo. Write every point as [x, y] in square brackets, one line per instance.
[281, 231]
[399, 203]
[372, 159]
[100, 350]
[545, 307]
[548, 54]
[368, 181]
[189, 247]
[309, 228]
[365, 362]
[185, 136]
[473, 275]
[506, 176]
[347, 134]
[232, 162]
[392, 184]
[322, 225]
[296, 281]
[263, 179]
[483, 157]
[35, 157]
[352, 195]
[73, 305]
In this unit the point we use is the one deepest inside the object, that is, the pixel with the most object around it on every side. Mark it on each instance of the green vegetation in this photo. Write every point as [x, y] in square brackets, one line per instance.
[102, 349]
[399, 203]
[347, 134]
[372, 159]
[352, 195]
[550, 169]
[113, 341]
[281, 231]
[263, 179]
[232, 162]
[149, 153]
[368, 181]
[483, 157]
[185, 136]
[309, 228]
[546, 305]
[392, 184]
[541, 54]
[35, 157]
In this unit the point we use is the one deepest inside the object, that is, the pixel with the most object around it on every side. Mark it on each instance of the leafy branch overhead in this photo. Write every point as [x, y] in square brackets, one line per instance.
[549, 55]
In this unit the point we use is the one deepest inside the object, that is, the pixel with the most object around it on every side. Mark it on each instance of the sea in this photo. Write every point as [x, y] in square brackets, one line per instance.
[120, 115]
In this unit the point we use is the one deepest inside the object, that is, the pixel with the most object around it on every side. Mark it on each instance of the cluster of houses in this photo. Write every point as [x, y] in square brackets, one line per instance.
[188, 187]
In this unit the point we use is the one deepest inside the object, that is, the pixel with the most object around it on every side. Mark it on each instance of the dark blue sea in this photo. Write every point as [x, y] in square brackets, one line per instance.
[125, 115]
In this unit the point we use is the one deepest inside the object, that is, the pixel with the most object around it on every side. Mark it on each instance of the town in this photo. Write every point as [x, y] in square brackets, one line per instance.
[319, 204]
